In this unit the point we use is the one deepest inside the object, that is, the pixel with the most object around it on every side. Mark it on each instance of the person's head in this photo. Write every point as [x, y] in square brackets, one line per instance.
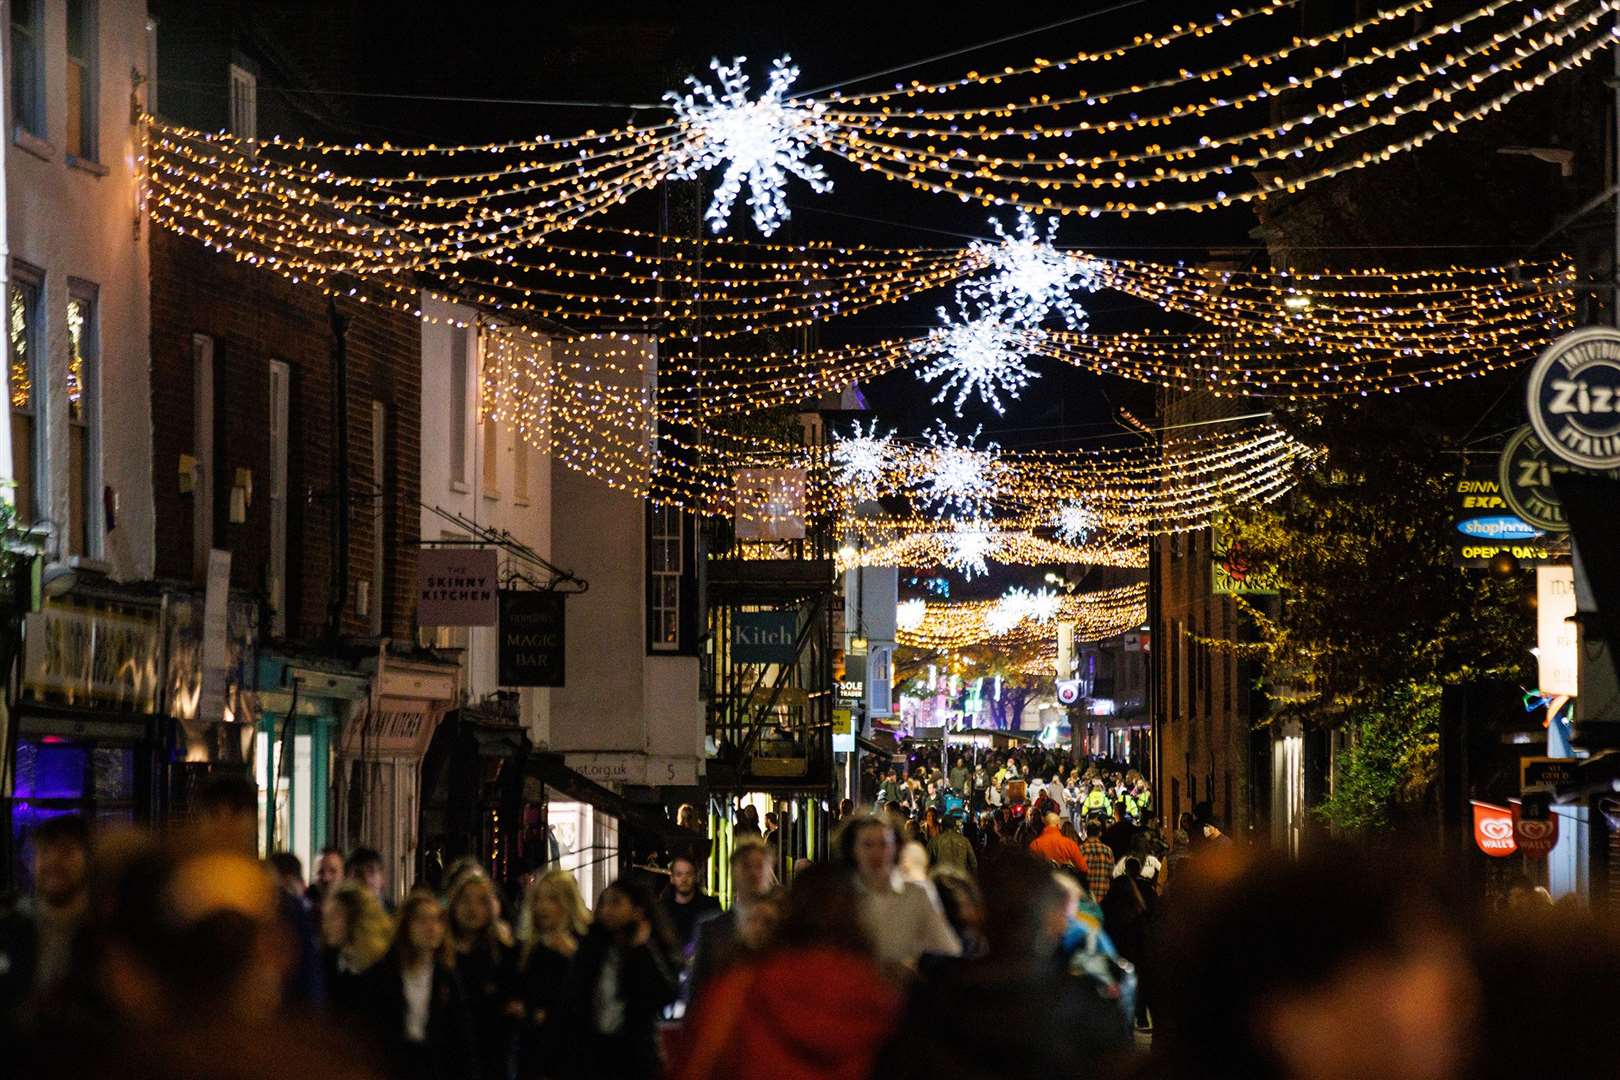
[869, 846]
[555, 906]
[686, 817]
[1295, 1001]
[750, 871]
[289, 872]
[353, 920]
[750, 815]
[1210, 830]
[60, 859]
[1025, 912]
[1133, 867]
[227, 807]
[914, 861]
[1067, 828]
[757, 925]
[1051, 820]
[846, 807]
[823, 910]
[683, 876]
[1119, 811]
[771, 820]
[625, 906]
[191, 927]
[365, 865]
[421, 935]
[328, 870]
[474, 910]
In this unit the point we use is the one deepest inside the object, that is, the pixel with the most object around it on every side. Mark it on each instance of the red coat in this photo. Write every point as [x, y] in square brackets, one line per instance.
[798, 1014]
[1053, 846]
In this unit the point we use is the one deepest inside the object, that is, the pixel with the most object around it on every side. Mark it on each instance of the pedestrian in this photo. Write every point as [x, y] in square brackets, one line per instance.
[328, 873]
[951, 850]
[484, 955]
[813, 1006]
[289, 871]
[719, 942]
[1014, 1012]
[355, 933]
[685, 905]
[416, 1007]
[624, 975]
[41, 938]
[1120, 835]
[554, 921]
[1056, 848]
[365, 865]
[898, 916]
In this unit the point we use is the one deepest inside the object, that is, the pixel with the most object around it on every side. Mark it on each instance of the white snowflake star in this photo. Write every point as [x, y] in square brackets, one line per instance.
[859, 460]
[1030, 278]
[1074, 521]
[980, 354]
[960, 480]
[966, 550]
[909, 614]
[760, 141]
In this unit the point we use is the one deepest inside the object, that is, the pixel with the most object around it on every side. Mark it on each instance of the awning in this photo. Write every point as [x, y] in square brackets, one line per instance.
[552, 771]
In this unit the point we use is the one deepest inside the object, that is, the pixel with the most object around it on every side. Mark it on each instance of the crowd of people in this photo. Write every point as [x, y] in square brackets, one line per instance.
[995, 928]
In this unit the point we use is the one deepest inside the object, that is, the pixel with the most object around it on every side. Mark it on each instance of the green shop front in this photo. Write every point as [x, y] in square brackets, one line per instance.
[304, 703]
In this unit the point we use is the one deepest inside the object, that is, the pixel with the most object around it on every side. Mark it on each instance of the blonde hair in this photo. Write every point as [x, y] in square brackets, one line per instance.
[560, 886]
[370, 929]
[496, 933]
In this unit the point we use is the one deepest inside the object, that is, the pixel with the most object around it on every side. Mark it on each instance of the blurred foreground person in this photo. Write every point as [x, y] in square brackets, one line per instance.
[185, 978]
[719, 940]
[897, 915]
[416, 1005]
[624, 974]
[812, 1006]
[556, 920]
[1326, 968]
[1015, 1012]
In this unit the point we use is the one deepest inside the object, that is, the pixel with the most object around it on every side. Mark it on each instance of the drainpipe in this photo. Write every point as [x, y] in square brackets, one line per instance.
[340, 452]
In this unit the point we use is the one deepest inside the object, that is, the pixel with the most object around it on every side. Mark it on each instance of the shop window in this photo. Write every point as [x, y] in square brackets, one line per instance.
[55, 776]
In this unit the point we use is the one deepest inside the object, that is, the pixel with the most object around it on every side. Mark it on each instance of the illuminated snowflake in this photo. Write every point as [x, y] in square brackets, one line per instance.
[960, 480]
[980, 355]
[860, 459]
[1017, 605]
[909, 614]
[966, 550]
[760, 141]
[1042, 606]
[1074, 521]
[1029, 277]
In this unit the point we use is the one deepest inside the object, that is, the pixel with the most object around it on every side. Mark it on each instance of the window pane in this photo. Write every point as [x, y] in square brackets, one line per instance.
[78, 347]
[458, 403]
[22, 463]
[22, 371]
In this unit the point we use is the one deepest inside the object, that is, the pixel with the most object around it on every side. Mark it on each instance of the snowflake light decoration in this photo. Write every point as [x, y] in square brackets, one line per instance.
[761, 141]
[1029, 277]
[961, 480]
[909, 614]
[1017, 605]
[1074, 521]
[981, 355]
[860, 459]
[966, 550]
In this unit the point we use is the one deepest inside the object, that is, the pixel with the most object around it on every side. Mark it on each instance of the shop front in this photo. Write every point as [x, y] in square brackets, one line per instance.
[303, 702]
[380, 756]
[473, 797]
[88, 733]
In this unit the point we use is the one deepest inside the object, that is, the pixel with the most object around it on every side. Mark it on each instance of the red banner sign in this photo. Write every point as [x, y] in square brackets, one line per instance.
[1493, 830]
[1534, 836]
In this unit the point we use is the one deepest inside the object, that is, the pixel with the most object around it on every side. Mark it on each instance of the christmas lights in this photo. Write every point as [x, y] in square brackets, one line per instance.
[977, 355]
[946, 626]
[959, 480]
[859, 461]
[1030, 278]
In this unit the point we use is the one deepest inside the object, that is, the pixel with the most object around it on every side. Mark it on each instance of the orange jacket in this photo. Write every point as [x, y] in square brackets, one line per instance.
[1053, 846]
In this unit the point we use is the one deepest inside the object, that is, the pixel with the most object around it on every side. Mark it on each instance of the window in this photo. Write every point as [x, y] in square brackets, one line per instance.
[25, 374]
[379, 518]
[665, 563]
[460, 376]
[276, 585]
[244, 104]
[84, 422]
[520, 468]
[491, 462]
[81, 79]
[27, 66]
[202, 482]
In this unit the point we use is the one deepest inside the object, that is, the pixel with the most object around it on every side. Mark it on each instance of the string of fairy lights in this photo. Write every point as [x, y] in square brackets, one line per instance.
[1020, 616]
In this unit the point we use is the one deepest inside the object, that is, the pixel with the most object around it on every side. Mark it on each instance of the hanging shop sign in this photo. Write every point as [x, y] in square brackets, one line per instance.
[1493, 829]
[532, 638]
[458, 586]
[764, 637]
[1484, 526]
[1573, 397]
[1547, 774]
[1524, 475]
[1557, 658]
[1535, 826]
[1233, 568]
[93, 656]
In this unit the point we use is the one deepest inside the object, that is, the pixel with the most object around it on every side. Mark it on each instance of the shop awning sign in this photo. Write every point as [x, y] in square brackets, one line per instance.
[1535, 826]
[533, 644]
[764, 637]
[1493, 829]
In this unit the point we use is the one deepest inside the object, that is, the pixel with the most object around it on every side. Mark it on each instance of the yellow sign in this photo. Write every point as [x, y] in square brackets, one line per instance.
[843, 722]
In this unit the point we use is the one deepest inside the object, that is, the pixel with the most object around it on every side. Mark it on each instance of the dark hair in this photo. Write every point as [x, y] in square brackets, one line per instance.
[824, 909]
[62, 829]
[325, 851]
[360, 860]
[228, 793]
[287, 864]
[852, 829]
[1019, 892]
[642, 898]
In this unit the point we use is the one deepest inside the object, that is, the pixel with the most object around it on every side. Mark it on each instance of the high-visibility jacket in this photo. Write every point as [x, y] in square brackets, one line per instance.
[1097, 803]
